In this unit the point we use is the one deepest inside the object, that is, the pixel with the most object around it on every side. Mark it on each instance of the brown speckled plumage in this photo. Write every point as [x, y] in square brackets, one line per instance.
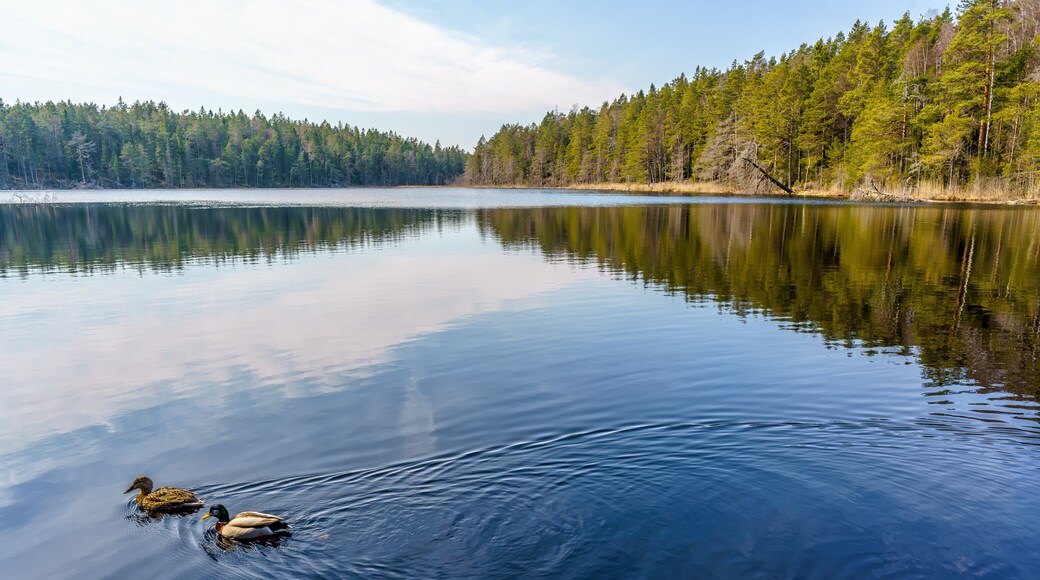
[164, 499]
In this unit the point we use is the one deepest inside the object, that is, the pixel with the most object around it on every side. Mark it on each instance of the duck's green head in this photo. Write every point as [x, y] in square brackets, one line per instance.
[220, 512]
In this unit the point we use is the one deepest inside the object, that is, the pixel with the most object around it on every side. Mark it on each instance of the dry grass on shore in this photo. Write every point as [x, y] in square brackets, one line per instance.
[661, 188]
[993, 192]
[664, 187]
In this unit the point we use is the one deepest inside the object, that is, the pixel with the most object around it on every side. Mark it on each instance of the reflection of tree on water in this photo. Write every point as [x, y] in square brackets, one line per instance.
[89, 237]
[960, 285]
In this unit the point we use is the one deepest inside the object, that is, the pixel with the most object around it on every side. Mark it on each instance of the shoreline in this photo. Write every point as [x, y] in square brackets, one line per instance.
[707, 188]
[662, 189]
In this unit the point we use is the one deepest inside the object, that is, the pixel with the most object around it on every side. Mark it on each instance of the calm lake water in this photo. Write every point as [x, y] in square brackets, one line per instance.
[472, 384]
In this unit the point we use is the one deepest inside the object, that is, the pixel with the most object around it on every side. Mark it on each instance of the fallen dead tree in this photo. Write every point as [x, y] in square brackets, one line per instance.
[772, 179]
[33, 197]
[875, 194]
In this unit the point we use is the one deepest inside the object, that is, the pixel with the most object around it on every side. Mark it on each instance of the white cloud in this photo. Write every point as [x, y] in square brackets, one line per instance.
[346, 55]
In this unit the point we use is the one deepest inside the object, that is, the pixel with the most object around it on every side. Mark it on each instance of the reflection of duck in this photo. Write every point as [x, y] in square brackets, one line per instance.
[247, 525]
[164, 499]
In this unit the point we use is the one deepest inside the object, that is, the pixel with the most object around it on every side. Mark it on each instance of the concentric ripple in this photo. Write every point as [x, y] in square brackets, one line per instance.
[711, 499]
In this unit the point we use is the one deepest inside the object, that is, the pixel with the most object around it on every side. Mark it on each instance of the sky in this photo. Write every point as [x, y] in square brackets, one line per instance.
[438, 70]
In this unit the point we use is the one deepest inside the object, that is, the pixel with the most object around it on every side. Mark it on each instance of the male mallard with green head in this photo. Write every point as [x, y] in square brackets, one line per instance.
[164, 499]
[247, 525]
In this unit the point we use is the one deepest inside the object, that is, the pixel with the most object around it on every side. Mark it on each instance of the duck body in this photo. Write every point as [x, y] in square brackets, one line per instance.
[163, 499]
[247, 525]
[169, 499]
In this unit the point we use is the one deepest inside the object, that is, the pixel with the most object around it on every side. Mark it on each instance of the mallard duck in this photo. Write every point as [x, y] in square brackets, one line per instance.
[164, 499]
[247, 525]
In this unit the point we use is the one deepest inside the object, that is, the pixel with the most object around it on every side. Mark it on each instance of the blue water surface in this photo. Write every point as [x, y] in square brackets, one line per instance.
[422, 396]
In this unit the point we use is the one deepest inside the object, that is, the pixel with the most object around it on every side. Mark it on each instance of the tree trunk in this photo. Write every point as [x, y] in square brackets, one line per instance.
[6, 176]
[770, 177]
[989, 97]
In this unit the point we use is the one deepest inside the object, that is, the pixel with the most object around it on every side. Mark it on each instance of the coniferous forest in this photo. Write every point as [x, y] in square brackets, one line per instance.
[55, 145]
[947, 102]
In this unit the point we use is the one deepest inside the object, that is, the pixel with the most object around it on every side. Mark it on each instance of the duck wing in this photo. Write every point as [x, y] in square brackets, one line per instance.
[257, 520]
[170, 498]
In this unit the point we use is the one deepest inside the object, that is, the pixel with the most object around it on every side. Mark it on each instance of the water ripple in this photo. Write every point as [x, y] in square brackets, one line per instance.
[724, 496]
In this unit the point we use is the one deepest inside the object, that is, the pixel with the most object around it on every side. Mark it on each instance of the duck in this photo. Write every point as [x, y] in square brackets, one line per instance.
[164, 499]
[247, 525]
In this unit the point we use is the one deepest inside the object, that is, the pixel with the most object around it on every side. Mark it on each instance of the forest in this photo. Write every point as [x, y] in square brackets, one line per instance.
[946, 102]
[146, 144]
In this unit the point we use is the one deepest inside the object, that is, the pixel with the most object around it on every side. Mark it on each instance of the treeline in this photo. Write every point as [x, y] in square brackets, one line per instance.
[947, 101]
[58, 145]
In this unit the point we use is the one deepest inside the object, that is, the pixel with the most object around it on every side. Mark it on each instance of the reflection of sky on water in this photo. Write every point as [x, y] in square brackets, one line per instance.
[80, 350]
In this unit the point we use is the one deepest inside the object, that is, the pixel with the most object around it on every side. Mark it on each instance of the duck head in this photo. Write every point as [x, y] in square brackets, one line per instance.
[142, 483]
[220, 512]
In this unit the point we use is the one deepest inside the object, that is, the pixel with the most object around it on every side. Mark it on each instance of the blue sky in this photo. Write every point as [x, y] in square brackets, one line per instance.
[447, 70]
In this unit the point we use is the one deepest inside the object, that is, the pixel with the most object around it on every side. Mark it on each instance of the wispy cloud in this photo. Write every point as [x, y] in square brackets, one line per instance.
[349, 54]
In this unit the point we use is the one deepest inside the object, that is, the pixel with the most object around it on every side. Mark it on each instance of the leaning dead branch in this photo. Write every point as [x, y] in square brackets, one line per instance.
[766, 174]
[875, 194]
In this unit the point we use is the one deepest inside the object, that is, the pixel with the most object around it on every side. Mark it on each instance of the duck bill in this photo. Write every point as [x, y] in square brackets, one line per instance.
[206, 516]
[129, 490]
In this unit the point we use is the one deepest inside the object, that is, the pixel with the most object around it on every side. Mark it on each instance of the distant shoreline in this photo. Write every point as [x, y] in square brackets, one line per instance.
[662, 189]
[707, 188]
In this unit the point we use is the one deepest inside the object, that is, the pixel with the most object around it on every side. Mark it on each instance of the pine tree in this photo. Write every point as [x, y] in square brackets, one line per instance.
[946, 99]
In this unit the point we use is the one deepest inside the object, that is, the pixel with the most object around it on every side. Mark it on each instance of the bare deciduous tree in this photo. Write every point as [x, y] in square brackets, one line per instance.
[82, 149]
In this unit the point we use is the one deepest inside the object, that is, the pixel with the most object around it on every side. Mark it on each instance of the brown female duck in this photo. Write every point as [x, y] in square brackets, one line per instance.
[164, 499]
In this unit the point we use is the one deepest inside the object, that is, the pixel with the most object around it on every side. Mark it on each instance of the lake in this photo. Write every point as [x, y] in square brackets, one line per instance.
[448, 383]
